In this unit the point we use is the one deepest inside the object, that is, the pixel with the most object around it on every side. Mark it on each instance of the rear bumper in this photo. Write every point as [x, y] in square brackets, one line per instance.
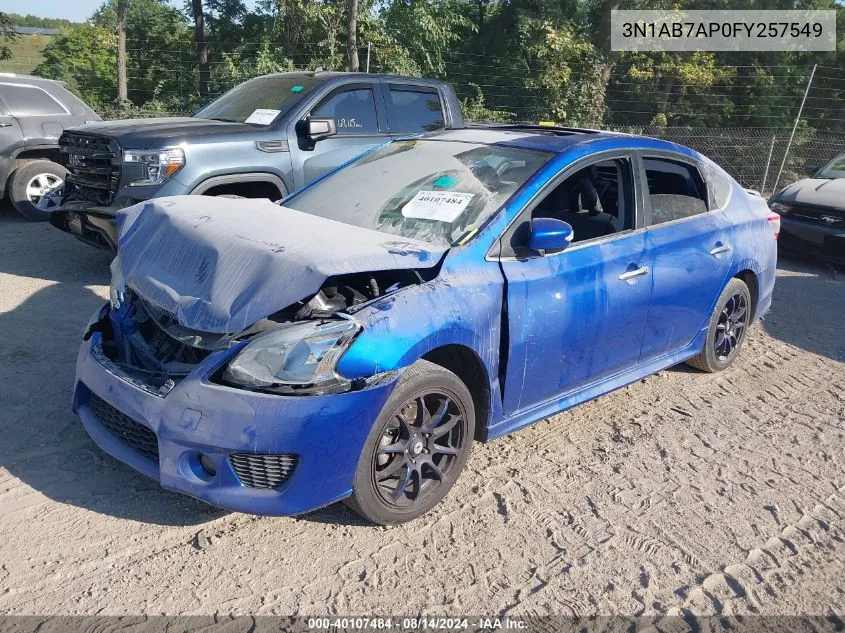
[326, 434]
[812, 239]
[94, 225]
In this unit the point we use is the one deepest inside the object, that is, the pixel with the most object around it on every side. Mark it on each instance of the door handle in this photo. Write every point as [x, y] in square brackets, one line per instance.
[5, 125]
[633, 274]
[724, 248]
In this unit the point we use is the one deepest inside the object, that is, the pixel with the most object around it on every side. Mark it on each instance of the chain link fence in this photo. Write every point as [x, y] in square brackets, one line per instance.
[753, 156]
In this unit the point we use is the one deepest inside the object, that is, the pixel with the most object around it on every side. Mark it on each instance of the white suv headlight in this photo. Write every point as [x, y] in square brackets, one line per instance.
[156, 165]
[300, 358]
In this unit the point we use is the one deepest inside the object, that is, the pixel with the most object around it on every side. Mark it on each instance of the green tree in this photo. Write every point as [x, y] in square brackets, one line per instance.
[7, 34]
[85, 58]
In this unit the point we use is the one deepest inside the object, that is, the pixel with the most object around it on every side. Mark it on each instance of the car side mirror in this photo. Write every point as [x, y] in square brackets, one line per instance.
[811, 170]
[316, 129]
[549, 235]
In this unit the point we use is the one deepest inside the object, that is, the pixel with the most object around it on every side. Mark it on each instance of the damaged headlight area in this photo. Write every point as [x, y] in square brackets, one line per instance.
[145, 344]
[297, 359]
[154, 166]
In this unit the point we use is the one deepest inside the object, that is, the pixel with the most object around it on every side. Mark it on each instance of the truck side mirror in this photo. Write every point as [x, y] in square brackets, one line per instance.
[316, 129]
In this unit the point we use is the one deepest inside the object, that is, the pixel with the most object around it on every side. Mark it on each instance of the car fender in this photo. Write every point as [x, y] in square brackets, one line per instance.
[388, 342]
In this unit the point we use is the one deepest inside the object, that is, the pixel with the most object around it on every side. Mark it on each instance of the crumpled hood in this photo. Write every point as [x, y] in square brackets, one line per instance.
[221, 264]
[817, 191]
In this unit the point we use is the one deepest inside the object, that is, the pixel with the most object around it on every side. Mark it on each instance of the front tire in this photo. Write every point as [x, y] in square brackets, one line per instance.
[728, 326]
[416, 448]
[31, 185]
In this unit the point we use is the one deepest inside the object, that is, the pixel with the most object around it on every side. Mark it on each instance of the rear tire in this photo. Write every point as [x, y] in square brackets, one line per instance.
[29, 185]
[417, 447]
[727, 329]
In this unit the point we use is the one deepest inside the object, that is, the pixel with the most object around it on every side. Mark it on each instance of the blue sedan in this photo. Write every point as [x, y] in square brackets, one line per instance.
[351, 343]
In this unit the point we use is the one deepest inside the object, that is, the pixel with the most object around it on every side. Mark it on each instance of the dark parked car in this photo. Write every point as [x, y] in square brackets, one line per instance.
[812, 213]
[33, 114]
[265, 138]
[352, 343]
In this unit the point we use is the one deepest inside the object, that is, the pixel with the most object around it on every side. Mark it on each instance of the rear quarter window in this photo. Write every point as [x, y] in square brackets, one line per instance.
[29, 101]
[720, 187]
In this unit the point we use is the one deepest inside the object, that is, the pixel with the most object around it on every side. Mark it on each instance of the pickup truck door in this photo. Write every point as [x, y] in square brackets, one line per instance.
[358, 112]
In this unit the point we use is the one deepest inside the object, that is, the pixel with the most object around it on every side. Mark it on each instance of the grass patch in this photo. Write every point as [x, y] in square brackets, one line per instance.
[27, 53]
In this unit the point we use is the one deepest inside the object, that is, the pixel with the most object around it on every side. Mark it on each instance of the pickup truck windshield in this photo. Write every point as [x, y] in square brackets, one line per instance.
[834, 169]
[427, 189]
[258, 100]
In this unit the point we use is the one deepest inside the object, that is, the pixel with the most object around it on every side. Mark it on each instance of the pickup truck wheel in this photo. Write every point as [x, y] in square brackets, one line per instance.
[417, 447]
[32, 188]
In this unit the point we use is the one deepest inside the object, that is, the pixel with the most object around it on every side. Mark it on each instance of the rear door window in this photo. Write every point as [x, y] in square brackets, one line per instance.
[353, 111]
[412, 110]
[675, 190]
[29, 101]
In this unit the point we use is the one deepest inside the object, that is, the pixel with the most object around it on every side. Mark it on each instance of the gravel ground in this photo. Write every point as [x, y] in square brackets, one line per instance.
[715, 493]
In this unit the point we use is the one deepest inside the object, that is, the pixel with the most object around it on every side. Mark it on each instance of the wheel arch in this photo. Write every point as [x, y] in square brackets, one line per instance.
[467, 365]
[749, 278]
[233, 181]
[39, 152]
[748, 270]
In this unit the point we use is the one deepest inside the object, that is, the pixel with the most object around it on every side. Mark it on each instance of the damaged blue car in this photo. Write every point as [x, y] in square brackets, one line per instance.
[351, 342]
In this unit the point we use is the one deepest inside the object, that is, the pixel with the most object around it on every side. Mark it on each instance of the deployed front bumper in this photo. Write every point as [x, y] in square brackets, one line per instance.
[315, 441]
[94, 225]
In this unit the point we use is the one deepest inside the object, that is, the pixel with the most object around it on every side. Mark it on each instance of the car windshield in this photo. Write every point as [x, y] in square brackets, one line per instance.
[834, 169]
[432, 190]
[258, 100]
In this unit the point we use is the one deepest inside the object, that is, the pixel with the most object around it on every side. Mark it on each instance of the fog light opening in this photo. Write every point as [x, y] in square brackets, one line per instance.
[208, 465]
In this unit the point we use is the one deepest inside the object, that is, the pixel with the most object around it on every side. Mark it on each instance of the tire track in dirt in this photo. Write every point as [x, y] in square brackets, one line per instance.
[742, 588]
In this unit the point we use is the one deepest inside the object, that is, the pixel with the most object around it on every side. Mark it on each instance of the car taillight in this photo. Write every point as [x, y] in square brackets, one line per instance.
[774, 223]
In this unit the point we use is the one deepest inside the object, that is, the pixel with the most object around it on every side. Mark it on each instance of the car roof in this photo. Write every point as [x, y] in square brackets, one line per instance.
[536, 137]
[555, 139]
[28, 79]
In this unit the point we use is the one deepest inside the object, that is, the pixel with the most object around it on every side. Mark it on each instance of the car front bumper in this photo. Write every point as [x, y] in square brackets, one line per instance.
[813, 239]
[326, 434]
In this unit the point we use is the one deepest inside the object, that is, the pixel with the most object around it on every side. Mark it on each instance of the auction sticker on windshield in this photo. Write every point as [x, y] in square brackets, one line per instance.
[263, 116]
[441, 206]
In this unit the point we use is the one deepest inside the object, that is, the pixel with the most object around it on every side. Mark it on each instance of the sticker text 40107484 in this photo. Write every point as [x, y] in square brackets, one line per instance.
[442, 206]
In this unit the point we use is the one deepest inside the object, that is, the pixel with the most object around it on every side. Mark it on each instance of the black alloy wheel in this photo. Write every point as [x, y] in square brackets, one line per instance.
[417, 447]
[726, 329]
[731, 327]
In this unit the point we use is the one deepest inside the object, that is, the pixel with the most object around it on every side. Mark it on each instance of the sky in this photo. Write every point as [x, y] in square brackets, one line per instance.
[76, 10]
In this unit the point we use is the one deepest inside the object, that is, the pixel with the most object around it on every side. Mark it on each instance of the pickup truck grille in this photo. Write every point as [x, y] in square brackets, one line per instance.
[94, 163]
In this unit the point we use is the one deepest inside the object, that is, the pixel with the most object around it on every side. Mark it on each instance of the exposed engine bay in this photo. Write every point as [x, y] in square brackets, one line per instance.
[150, 347]
[345, 293]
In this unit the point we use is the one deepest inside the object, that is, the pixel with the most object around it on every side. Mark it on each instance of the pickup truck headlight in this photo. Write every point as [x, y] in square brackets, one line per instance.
[300, 358]
[156, 165]
[780, 208]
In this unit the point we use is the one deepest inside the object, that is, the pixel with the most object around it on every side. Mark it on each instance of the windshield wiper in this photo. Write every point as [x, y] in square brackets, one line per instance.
[225, 120]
